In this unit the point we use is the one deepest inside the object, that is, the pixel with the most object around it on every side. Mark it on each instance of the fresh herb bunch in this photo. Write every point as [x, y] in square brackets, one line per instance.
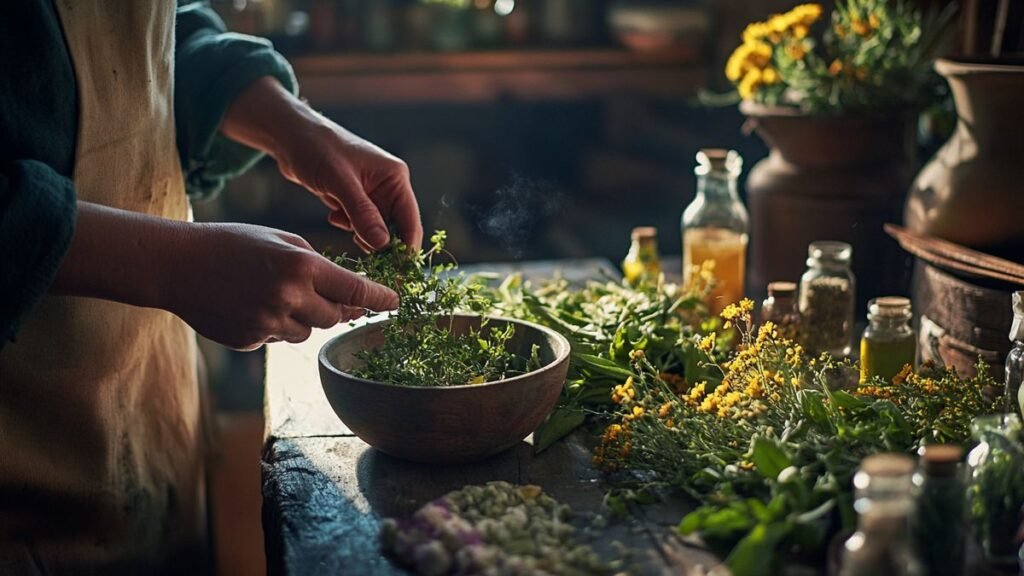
[875, 54]
[604, 321]
[770, 443]
[420, 347]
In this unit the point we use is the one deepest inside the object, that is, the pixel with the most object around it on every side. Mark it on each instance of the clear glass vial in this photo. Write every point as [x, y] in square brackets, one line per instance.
[883, 500]
[827, 291]
[715, 226]
[642, 262]
[1015, 359]
[888, 343]
[938, 522]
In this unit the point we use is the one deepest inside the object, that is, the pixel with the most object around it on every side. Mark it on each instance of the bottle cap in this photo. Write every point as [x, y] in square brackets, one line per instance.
[644, 232]
[781, 289]
[940, 459]
[830, 250]
[718, 160]
[1017, 328]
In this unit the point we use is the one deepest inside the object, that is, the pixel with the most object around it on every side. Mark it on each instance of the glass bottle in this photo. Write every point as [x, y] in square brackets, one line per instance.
[780, 309]
[882, 499]
[1015, 359]
[827, 292]
[642, 262]
[888, 343]
[715, 226]
[938, 521]
[995, 490]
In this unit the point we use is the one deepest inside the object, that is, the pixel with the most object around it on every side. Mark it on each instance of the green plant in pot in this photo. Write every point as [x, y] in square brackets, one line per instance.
[835, 97]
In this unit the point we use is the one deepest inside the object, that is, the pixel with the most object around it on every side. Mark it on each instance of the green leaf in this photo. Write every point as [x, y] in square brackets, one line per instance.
[693, 521]
[602, 365]
[562, 421]
[769, 458]
[847, 400]
[756, 553]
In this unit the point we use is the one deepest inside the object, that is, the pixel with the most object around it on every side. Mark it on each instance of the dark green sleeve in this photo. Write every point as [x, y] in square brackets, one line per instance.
[37, 220]
[212, 67]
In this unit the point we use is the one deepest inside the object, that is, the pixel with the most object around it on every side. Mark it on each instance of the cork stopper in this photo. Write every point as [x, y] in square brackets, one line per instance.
[782, 289]
[644, 233]
[890, 308]
[719, 161]
[1017, 328]
[887, 465]
[940, 459]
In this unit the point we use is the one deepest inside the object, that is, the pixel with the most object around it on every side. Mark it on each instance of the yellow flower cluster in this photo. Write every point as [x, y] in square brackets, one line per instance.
[624, 392]
[750, 65]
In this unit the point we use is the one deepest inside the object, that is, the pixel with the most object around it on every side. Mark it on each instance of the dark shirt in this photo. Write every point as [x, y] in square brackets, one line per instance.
[39, 123]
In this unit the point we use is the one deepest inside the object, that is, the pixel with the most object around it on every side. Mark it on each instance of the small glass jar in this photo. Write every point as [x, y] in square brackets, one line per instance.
[1015, 359]
[642, 262]
[827, 292]
[780, 308]
[882, 499]
[938, 521]
[714, 227]
[888, 343]
[995, 490]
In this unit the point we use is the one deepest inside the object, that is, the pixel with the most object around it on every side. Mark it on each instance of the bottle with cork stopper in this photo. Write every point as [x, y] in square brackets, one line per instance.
[780, 308]
[642, 262]
[715, 226]
[938, 522]
[888, 343]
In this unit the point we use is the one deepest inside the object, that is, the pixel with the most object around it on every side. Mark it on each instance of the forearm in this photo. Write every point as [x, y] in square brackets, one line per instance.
[267, 117]
[119, 255]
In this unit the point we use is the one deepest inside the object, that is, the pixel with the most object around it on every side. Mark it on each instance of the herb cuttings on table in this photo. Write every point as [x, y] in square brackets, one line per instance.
[420, 348]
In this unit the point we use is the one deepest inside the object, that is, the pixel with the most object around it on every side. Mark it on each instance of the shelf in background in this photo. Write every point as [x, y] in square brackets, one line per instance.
[480, 77]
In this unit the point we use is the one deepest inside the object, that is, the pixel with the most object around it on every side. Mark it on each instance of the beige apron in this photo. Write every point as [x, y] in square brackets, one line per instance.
[100, 463]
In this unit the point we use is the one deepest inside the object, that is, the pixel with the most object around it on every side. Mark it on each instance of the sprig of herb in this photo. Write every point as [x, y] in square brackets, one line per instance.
[421, 347]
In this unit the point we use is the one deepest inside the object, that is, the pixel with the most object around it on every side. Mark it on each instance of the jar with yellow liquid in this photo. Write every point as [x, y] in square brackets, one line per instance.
[715, 226]
[642, 263]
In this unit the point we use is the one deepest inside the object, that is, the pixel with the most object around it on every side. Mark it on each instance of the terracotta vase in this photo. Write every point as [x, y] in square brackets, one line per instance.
[838, 177]
[972, 191]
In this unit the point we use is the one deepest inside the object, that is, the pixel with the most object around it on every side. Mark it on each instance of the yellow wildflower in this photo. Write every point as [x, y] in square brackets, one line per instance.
[734, 311]
[756, 31]
[769, 76]
[707, 343]
[723, 412]
[800, 31]
[731, 399]
[698, 390]
[840, 31]
[638, 411]
[796, 50]
[746, 465]
[779, 23]
[907, 370]
[835, 67]
[873, 21]
[807, 14]
[710, 404]
[860, 27]
[636, 355]
[722, 389]
[775, 397]
[664, 410]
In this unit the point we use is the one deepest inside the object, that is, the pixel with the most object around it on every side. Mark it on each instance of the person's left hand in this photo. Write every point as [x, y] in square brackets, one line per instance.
[363, 185]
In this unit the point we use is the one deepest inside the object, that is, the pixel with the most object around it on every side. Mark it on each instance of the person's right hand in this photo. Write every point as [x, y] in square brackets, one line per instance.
[243, 285]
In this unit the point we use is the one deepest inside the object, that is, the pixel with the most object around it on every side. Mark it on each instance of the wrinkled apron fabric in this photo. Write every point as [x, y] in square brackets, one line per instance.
[100, 442]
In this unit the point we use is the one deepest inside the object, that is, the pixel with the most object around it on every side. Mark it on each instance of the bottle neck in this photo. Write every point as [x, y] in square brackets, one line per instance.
[889, 323]
[716, 186]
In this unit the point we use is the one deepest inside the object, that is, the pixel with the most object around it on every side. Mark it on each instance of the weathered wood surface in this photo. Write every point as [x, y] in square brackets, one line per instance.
[325, 491]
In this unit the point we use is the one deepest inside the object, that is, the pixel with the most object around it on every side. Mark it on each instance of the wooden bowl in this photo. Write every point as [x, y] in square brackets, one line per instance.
[444, 424]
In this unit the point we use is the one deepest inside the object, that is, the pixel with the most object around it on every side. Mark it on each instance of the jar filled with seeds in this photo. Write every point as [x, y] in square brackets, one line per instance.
[827, 299]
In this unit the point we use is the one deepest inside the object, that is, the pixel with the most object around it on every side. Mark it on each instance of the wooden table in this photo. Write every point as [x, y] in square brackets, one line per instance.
[325, 491]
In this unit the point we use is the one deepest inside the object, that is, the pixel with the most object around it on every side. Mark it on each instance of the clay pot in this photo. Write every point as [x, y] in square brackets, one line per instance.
[971, 191]
[829, 177]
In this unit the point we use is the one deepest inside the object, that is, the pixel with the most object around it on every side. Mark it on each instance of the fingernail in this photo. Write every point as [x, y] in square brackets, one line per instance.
[393, 302]
[378, 237]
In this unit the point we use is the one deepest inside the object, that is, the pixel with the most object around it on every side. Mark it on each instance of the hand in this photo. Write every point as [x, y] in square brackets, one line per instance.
[243, 285]
[364, 187]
